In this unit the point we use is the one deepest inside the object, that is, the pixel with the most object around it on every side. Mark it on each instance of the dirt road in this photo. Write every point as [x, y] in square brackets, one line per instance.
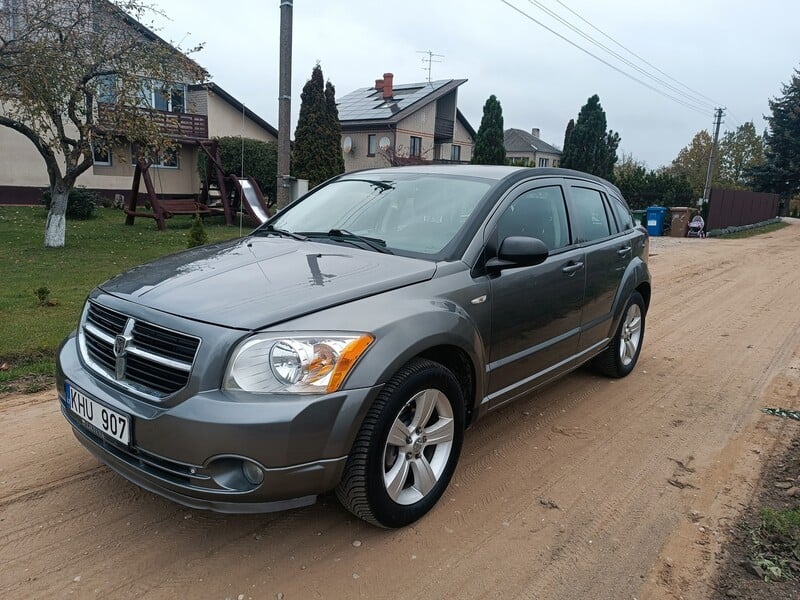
[589, 489]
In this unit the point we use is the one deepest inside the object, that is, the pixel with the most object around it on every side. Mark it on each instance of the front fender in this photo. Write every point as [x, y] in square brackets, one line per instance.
[416, 327]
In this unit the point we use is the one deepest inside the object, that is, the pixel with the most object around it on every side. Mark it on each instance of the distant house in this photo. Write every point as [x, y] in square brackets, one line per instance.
[523, 148]
[412, 122]
[187, 113]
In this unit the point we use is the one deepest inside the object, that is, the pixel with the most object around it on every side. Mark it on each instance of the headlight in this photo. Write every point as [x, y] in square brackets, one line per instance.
[301, 364]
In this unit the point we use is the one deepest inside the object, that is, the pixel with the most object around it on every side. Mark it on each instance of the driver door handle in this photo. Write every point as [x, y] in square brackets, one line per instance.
[572, 268]
[623, 251]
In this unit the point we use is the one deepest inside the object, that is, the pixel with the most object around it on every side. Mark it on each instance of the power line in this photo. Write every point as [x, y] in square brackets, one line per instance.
[649, 64]
[684, 95]
[605, 62]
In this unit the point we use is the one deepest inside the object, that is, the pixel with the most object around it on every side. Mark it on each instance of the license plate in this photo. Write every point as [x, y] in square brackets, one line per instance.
[109, 422]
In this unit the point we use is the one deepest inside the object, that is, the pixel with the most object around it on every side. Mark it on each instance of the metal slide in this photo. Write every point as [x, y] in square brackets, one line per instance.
[252, 199]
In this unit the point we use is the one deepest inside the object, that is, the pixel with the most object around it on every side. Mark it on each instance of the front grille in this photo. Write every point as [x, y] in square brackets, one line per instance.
[155, 361]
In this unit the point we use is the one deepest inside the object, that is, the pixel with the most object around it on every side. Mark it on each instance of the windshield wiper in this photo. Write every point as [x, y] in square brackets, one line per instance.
[270, 230]
[342, 235]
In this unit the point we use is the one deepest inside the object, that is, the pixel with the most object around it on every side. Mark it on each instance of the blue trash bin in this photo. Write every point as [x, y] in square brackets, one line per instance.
[655, 219]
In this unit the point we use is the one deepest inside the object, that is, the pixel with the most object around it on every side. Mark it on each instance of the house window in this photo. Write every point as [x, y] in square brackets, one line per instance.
[555, 163]
[7, 15]
[455, 152]
[166, 97]
[543, 162]
[101, 156]
[415, 149]
[372, 144]
[106, 89]
[168, 159]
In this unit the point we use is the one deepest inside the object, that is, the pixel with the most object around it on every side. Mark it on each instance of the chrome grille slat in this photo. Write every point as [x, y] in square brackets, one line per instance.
[154, 360]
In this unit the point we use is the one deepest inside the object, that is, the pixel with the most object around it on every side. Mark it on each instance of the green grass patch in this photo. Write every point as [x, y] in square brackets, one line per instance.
[30, 329]
[775, 543]
[751, 232]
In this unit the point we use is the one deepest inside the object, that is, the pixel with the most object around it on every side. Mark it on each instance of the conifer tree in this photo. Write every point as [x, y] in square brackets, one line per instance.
[589, 147]
[317, 154]
[337, 158]
[568, 132]
[489, 147]
[781, 172]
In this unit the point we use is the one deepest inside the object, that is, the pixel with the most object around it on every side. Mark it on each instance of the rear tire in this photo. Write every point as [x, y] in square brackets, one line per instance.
[407, 448]
[621, 355]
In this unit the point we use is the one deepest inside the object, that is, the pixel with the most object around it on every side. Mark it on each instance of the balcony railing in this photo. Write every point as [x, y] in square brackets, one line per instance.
[176, 125]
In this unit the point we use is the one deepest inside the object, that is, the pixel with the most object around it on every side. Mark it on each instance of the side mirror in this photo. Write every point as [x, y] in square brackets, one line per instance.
[519, 251]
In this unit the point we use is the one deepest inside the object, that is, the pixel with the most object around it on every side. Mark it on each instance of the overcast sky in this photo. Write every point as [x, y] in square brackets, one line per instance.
[735, 52]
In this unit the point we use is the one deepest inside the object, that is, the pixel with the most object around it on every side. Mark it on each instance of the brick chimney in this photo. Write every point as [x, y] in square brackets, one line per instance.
[379, 85]
[388, 92]
[535, 132]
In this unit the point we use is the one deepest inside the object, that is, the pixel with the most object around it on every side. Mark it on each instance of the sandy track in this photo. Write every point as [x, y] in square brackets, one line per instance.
[626, 463]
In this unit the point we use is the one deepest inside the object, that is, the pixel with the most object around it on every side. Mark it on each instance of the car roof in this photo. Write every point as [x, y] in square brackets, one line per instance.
[494, 172]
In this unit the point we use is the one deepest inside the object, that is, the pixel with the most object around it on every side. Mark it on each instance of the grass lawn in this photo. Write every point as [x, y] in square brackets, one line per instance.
[95, 250]
[751, 232]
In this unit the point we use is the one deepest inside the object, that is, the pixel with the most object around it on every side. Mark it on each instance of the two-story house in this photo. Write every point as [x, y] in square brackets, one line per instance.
[410, 122]
[187, 113]
[523, 148]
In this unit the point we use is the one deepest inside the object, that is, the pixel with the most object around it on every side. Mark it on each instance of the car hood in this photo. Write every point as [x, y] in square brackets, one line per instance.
[254, 282]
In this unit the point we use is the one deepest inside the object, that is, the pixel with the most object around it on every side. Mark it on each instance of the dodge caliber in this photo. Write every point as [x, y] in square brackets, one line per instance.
[349, 342]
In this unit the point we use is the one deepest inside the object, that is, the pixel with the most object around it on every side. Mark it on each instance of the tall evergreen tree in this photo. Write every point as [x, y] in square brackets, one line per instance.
[489, 147]
[317, 154]
[588, 146]
[568, 132]
[335, 127]
[781, 171]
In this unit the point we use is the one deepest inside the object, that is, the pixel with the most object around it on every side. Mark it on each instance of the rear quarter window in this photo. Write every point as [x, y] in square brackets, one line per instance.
[622, 214]
[588, 215]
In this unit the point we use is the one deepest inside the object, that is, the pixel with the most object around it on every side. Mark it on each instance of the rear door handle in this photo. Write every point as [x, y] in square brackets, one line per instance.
[624, 251]
[571, 269]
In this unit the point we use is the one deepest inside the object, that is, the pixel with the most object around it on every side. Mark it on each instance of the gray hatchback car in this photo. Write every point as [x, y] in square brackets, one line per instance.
[348, 343]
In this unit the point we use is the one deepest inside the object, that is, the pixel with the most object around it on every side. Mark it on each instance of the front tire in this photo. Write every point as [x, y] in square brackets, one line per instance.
[621, 355]
[407, 448]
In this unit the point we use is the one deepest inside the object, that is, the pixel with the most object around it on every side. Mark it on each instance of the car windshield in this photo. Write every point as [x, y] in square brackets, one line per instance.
[416, 213]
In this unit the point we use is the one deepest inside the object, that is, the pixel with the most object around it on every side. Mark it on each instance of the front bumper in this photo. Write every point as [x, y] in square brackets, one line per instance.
[192, 451]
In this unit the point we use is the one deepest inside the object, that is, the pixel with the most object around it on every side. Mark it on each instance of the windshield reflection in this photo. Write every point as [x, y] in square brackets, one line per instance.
[412, 212]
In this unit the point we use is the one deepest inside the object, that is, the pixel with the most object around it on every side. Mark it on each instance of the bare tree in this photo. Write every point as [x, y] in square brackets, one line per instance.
[71, 76]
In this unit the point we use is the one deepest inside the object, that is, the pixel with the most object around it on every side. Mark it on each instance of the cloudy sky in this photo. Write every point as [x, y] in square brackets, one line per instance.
[735, 53]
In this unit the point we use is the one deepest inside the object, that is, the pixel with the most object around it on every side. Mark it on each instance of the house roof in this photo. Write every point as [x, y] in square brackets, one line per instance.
[518, 140]
[149, 33]
[366, 105]
[218, 91]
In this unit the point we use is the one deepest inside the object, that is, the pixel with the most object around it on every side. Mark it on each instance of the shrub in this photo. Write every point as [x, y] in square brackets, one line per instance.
[81, 204]
[43, 295]
[197, 234]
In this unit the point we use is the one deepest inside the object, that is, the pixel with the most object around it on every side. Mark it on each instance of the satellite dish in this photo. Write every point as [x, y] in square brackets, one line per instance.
[347, 145]
[384, 143]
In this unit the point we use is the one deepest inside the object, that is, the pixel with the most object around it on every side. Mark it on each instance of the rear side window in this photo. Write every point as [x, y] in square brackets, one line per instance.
[622, 214]
[589, 218]
[538, 213]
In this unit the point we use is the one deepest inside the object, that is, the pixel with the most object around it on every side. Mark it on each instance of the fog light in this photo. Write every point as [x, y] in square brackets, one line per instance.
[252, 472]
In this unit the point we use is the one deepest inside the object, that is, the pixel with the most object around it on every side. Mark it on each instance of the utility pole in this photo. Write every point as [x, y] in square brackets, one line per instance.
[285, 104]
[718, 114]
